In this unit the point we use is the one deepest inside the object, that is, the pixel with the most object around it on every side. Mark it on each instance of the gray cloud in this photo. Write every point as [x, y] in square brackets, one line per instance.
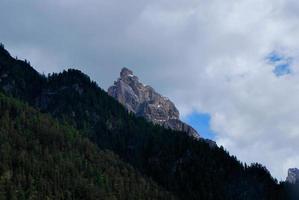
[208, 56]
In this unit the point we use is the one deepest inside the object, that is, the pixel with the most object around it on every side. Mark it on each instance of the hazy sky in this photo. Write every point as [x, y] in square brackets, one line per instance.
[236, 61]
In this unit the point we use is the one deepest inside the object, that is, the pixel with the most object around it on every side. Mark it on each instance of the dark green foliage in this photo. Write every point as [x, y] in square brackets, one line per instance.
[41, 159]
[292, 190]
[188, 168]
[24, 83]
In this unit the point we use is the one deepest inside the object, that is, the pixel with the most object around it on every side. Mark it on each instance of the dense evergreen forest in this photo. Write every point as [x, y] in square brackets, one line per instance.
[186, 168]
[42, 159]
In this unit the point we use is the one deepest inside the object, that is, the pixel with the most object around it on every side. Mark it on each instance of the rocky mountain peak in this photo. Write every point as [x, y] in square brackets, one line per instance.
[144, 101]
[125, 72]
[293, 175]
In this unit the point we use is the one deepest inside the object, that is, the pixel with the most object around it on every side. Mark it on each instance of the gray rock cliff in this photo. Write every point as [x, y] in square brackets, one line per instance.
[293, 175]
[144, 101]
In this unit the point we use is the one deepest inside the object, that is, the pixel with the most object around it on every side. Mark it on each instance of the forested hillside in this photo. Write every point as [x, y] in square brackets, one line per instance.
[42, 159]
[188, 168]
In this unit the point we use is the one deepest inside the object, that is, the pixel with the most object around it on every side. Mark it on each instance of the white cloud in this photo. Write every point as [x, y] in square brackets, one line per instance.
[208, 56]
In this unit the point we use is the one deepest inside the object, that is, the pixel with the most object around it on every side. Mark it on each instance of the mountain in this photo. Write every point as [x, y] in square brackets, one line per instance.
[42, 159]
[144, 101]
[172, 160]
[293, 175]
[291, 185]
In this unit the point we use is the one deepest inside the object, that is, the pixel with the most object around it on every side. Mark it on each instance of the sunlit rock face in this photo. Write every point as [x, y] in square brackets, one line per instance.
[144, 101]
[293, 175]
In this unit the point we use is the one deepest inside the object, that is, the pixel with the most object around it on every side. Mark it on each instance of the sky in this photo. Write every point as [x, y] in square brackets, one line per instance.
[201, 122]
[231, 67]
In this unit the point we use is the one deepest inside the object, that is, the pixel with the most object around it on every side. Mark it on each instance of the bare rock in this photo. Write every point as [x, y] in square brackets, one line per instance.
[293, 175]
[144, 101]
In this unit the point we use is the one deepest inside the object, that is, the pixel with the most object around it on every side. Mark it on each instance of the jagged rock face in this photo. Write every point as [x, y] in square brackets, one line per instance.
[293, 175]
[144, 101]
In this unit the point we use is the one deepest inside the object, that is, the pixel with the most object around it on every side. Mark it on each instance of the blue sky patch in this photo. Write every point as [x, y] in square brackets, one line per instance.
[282, 69]
[275, 57]
[282, 64]
[201, 123]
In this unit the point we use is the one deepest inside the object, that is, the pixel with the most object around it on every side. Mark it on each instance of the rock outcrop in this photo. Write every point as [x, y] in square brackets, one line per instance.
[144, 101]
[293, 175]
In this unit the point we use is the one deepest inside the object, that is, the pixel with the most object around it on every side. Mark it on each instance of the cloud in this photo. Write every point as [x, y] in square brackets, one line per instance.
[208, 56]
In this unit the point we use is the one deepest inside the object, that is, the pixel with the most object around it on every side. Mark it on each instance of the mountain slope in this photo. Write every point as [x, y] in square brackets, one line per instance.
[41, 159]
[184, 166]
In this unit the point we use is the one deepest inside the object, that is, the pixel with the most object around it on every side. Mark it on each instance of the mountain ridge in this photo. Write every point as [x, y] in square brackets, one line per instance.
[188, 168]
